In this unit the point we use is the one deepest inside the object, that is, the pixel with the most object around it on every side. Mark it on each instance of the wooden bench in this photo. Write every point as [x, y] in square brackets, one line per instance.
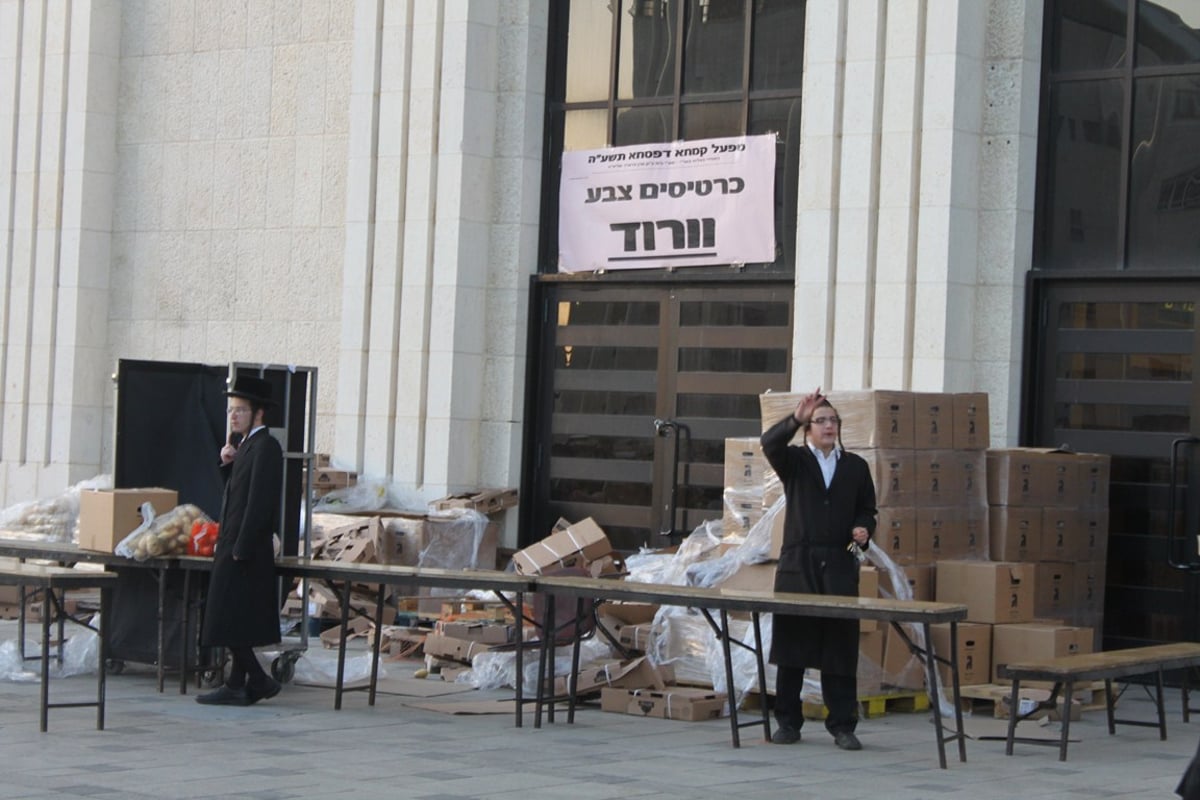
[1108, 666]
[53, 582]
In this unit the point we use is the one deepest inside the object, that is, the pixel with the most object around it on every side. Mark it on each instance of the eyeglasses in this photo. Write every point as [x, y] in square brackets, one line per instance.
[827, 421]
[237, 412]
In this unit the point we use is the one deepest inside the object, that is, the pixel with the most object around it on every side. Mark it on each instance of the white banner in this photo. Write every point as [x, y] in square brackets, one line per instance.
[705, 201]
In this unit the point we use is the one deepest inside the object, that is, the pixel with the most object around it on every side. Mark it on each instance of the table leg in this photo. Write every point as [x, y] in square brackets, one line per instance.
[101, 680]
[1066, 718]
[45, 658]
[546, 650]
[935, 704]
[341, 667]
[730, 689]
[1162, 714]
[375, 646]
[162, 623]
[1013, 712]
[520, 639]
[1109, 702]
[762, 676]
[572, 678]
[184, 666]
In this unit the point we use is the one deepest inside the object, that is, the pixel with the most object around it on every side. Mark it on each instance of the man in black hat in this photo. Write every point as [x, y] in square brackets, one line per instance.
[242, 610]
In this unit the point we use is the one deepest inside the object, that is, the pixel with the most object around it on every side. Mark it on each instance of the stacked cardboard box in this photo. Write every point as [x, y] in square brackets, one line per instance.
[1049, 508]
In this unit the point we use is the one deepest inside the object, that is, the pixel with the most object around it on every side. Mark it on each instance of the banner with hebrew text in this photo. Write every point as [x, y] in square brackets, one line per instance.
[692, 203]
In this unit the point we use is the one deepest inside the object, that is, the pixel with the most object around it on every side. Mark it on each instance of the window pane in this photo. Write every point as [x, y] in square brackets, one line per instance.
[713, 46]
[647, 51]
[589, 47]
[644, 125]
[1086, 34]
[752, 314]
[1168, 32]
[777, 46]
[583, 312]
[1127, 316]
[1083, 175]
[585, 129]
[707, 120]
[1164, 181]
[1125, 366]
[732, 359]
[782, 117]
[1122, 417]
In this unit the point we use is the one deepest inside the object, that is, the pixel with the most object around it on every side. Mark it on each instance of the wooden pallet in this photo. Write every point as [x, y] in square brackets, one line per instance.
[877, 705]
[994, 699]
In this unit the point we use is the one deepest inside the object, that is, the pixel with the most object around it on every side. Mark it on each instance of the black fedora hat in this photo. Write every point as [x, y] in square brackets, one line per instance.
[253, 389]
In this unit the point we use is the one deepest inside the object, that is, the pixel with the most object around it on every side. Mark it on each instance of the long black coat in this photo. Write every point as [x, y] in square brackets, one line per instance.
[242, 608]
[814, 559]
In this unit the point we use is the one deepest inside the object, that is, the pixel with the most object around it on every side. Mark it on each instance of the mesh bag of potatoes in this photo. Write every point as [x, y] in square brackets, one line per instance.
[162, 536]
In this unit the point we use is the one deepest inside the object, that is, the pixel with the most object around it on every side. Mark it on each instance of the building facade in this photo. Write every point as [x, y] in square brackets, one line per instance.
[369, 187]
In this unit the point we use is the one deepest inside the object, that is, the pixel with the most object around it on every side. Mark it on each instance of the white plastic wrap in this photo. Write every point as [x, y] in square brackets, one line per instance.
[495, 669]
[366, 495]
[81, 656]
[53, 519]
[319, 668]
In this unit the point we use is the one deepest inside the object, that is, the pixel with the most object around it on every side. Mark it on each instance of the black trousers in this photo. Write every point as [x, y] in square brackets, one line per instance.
[245, 669]
[840, 693]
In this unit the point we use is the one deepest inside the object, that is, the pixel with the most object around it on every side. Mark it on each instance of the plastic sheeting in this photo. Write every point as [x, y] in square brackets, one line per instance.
[81, 656]
[52, 519]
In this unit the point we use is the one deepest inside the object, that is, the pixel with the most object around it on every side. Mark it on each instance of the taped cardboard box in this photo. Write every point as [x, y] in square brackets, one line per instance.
[485, 501]
[870, 418]
[678, 702]
[452, 649]
[572, 545]
[634, 673]
[106, 516]
[993, 591]
[484, 632]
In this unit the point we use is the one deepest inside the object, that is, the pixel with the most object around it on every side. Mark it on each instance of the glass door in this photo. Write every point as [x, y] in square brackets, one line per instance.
[639, 387]
[1115, 376]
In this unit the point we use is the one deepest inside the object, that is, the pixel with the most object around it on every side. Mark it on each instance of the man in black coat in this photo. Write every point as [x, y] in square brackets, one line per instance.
[242, 608]
[830, 505]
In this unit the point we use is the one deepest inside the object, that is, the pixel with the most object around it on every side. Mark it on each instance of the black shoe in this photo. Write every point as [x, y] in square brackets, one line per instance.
[266, 692]
[225, 696]
[847, 741]
[785, 734]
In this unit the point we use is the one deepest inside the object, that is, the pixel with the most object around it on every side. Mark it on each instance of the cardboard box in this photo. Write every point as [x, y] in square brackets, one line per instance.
[901, 668]
[1062, 534]
[326, 479]
[745, 467]
[632, 674]
[973, 655]
[868, 586]
[1054, 589]
[579, 543]
[1015, 478]
[1089, 587]
[629, 613]
[971, 469]
[1063, 488]
[1094, 476]
[870, 662]
[677, 702]
[482, 631]
[933, 421]
[994, 592]
[778, 523]
[751, 578]
[941, 534]
[972, 427]
[1014, 533]
[742, 509]
[1093, 524]
[109, 515]
[896, 534]
[636, 637]
[937, 478]
[485, 501]
[894, 474]
[875, 419]
[1029, 642]
[453, 649]
[977, 532]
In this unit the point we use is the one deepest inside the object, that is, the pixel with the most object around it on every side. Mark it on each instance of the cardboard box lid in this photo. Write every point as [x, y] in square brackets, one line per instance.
[584, 540]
